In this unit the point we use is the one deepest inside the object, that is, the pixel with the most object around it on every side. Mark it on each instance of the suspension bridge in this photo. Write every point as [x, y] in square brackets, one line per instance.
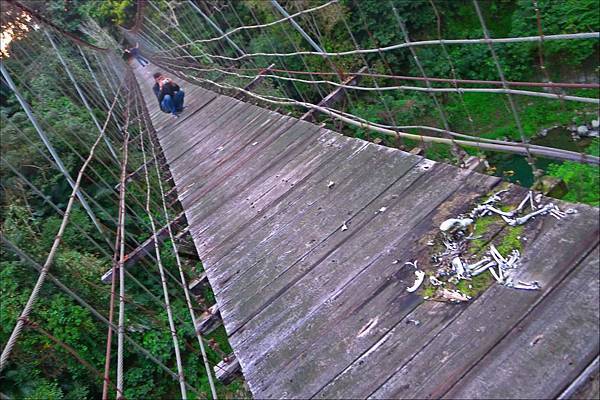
[309, 240]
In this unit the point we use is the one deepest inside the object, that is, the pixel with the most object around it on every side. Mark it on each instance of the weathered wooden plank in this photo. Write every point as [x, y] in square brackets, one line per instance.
[205, 191]
[197, 284]
[355, 258]
[243, 204]
[227, 370]
[280, 147]
[188, 135]
[248, 124]
[375, 297]
[264, 211]
[468, 338]
[256, 245]
[530, 362]
[194, 101]
[318, 228]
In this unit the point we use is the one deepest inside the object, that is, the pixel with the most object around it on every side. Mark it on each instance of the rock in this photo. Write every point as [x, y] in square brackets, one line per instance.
[543, 132]
[593, 134]
[582, 130]
[595, 124]
[551, 186]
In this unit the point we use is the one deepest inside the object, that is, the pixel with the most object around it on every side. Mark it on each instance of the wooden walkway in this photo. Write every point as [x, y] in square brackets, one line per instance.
[316, 311]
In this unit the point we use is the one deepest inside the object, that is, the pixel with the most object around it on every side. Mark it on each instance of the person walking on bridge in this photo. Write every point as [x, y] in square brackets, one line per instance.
[135, 53]
[169, 95]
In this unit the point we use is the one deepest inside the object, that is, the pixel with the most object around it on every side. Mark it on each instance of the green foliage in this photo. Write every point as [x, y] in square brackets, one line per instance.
[582, 179]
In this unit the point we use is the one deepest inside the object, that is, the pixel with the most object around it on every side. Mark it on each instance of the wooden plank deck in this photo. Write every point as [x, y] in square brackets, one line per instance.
[316, 311]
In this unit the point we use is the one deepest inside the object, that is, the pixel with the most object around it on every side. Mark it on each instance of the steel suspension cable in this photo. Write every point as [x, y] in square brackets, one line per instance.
[49, 260]
[511, 102]
[161, 269]
[121, 250]
[176, 253]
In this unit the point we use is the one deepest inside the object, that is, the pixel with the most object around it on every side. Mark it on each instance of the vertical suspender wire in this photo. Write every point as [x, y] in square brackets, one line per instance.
[187, 54]
[43, 197]
[450, 63]
[91, 167]
[457, 151]
[49, 146]
[216, 28]
[183, 34]
[46, 199]
[80, 93]
[374, 80]
[200, 31]
[104, 73]
[96, 82]
[49, 260]
[176, 253]
[232, 6]
[340, 74]
[53, 163]
[281, 61]
[313, 44]
[68, 349]
[538, 18]
[511, 102]
[163, 278]
[88, 88]
[121, 325]
[111, 312]
[109, 187]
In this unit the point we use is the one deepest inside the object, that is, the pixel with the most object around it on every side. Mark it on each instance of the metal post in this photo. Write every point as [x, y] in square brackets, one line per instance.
[78, 89]
[48, 145]
[216, 27]
[298, 27]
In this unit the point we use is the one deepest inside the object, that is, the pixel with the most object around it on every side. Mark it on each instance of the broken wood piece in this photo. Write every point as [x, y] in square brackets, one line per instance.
[197, 285]
[227, 369]
[334, 96]
[146, 248]
[255, 82]
[209, 320]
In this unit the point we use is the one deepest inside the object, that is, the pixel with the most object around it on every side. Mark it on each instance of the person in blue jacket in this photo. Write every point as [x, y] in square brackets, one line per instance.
[170, 96]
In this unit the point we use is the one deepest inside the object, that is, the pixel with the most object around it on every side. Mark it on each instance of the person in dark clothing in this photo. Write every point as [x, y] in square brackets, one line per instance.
[135, 53]
[169, 94]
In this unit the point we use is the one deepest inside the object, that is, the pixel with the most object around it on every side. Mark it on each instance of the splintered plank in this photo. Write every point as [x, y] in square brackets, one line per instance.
[548, 349]
[373, 300]
[557, 248]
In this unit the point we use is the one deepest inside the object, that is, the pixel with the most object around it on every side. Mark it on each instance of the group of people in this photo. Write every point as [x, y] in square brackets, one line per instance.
[170, 96]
